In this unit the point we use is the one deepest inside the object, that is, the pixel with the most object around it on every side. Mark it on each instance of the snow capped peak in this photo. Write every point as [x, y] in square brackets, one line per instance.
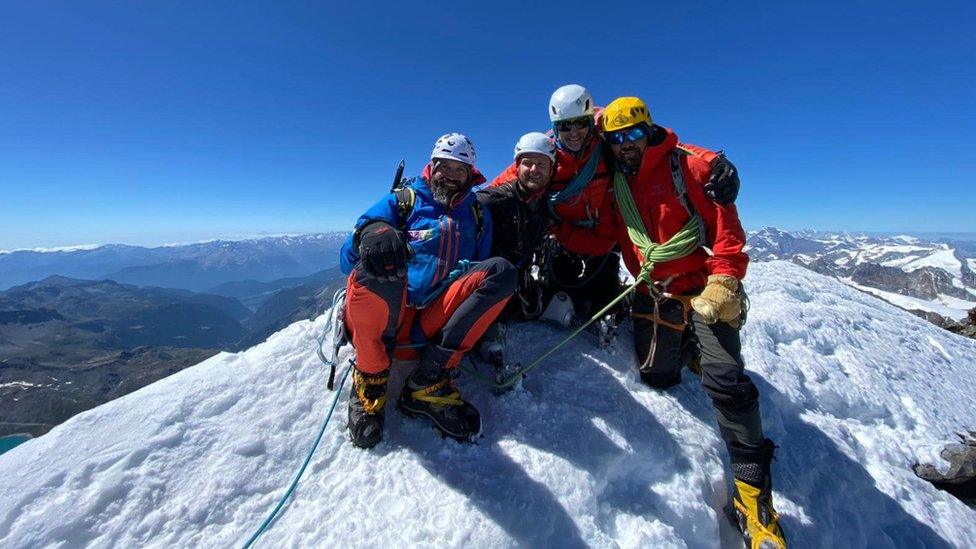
[931, 276]
[55, 249]
[853, 390]
[906, 239]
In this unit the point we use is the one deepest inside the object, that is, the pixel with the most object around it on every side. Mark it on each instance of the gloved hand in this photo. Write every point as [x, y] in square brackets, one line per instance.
[723, 181]
[383, 252]
[720, 300]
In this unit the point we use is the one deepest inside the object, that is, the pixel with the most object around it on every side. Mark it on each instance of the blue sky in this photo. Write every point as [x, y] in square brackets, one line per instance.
[158, 121]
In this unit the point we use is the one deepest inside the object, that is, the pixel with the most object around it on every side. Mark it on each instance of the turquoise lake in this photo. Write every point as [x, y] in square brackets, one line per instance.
[9, 442]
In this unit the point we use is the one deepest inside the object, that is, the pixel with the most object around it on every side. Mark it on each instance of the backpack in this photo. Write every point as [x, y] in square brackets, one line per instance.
[678, 179]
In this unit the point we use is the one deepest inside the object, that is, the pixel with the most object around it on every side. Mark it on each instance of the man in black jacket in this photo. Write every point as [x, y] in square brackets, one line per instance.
[518, 214]
[520, 223]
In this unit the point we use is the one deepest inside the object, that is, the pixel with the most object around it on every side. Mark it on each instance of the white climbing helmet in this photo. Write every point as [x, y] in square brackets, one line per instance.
[571, 101]
[535, 142]
[455, 146]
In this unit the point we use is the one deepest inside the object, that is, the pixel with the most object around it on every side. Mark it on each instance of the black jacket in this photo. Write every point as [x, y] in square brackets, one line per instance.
[519, 224]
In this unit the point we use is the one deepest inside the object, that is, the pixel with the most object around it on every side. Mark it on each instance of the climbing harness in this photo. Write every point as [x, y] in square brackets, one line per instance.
[532, 305]
[552, 250]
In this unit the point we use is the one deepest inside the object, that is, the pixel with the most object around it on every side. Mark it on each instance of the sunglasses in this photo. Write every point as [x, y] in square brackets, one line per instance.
[633, 134]
[576, 123]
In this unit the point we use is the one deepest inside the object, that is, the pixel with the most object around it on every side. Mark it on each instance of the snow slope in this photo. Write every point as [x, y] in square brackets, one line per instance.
[853, 389]
[945, 305]
[943, 258]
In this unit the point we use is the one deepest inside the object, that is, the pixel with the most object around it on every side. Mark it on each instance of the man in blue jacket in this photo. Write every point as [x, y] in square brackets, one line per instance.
[422, 285]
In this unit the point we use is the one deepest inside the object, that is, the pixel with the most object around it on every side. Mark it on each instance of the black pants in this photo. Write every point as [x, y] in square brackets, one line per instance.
[718, 346]
[591, 281]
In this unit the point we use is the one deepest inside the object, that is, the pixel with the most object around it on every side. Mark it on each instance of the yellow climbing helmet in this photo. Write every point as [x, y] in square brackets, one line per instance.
[625, 112]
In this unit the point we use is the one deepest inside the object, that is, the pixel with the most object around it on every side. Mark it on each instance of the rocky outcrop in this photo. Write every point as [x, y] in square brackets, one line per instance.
[965, 327]
[960, 477]
[924, 283]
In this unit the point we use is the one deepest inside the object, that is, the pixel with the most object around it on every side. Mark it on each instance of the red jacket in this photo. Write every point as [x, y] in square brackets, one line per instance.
[586, 224]
[664, 215]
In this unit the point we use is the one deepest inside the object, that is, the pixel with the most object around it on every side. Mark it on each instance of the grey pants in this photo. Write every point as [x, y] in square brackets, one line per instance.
[718, 346]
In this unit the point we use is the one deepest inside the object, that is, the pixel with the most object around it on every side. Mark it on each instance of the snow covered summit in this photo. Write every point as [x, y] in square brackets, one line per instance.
[853, 390]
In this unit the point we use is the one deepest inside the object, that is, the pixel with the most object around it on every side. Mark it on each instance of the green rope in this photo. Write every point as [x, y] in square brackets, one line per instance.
[682, 244]
[513, 379]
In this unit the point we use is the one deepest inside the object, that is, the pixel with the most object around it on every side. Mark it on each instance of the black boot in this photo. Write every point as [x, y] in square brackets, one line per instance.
[491, 348]
[430, 393]
[366, 402]
[752, 497]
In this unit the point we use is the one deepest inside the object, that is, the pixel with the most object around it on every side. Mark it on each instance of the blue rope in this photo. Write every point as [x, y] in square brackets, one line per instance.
[575, 185]
[308, 459]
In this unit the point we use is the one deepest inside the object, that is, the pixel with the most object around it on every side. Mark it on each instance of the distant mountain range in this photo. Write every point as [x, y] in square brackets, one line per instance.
[299, 299]
[67, 345]
[196, 267]
[937, 276]
[108, 315]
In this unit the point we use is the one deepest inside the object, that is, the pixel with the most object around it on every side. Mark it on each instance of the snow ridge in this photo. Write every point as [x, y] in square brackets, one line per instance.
[934, 276]
[853, 390]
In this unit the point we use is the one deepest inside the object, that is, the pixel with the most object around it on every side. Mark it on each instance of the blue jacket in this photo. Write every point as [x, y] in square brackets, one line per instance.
[440, 238]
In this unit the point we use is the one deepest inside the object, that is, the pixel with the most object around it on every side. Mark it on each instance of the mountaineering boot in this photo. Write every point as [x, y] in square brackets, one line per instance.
[366, 401]
[752, 497]
[430, 392]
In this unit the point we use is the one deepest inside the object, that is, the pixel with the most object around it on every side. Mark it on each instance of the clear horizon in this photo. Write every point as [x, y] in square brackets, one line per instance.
[936, 235]
[154, 123]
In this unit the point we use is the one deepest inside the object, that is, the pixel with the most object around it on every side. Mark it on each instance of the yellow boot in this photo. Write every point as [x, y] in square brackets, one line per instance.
[757, 519]
[752, 497]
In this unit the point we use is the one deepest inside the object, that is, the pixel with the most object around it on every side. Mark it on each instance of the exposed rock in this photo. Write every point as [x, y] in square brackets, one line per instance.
[960, 478]
[966, 328]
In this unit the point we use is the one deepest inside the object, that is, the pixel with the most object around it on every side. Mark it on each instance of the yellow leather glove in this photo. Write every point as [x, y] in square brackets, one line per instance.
[720, 300]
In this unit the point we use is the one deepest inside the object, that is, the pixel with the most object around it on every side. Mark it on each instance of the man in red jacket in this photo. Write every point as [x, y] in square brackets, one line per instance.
[692, 304]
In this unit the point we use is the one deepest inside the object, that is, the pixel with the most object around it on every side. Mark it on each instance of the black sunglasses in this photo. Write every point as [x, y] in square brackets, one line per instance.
[576, 123]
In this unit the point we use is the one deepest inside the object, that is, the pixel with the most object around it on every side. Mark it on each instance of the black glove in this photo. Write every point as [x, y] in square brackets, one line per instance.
[723, 182]
[383, 252]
